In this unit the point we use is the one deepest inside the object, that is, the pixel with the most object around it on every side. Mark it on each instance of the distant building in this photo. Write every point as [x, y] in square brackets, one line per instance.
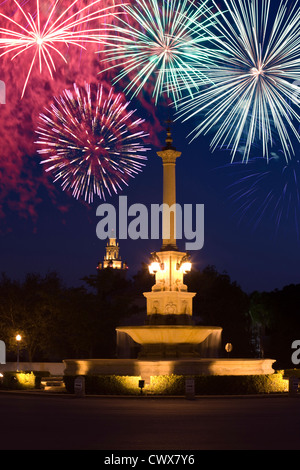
[112, 257]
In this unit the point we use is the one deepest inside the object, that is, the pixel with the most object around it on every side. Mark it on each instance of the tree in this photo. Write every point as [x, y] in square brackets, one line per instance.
[111, 303]
[28, 308]
[221, 302]
[282, 320]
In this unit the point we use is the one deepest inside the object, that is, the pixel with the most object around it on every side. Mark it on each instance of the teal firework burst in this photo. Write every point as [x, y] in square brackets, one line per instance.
[166, 43]
[254, 91]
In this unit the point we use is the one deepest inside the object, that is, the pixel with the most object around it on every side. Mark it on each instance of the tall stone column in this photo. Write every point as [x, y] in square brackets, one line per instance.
[169, 156]
[169, 295]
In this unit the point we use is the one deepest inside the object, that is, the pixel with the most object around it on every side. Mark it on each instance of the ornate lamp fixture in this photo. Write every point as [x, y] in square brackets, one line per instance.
[185, 264]
[155, 264]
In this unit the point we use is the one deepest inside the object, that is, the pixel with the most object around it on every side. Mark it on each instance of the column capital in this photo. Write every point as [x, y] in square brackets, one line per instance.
[169, 156]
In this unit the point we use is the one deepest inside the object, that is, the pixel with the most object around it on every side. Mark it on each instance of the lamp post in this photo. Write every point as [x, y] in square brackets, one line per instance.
[18, 339]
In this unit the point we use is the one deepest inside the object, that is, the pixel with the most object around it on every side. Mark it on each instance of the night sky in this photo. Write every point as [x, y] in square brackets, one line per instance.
[45, 229]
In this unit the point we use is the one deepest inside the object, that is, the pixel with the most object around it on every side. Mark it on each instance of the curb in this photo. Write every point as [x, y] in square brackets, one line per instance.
[173, 397]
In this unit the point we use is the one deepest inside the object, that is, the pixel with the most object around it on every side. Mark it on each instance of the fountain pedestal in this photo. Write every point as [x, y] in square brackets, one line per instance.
[169, 332]
[169, 295]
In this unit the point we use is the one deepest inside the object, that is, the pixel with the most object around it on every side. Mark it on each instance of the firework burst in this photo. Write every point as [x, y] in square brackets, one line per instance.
[265, 191]
[255, 80]
[166, 40]
[91, 142]
[62, 26]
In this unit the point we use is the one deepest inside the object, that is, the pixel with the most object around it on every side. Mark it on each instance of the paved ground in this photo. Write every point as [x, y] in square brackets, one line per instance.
[52, 422]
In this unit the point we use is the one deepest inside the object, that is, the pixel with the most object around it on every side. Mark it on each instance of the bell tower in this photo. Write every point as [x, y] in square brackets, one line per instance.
[112, 257]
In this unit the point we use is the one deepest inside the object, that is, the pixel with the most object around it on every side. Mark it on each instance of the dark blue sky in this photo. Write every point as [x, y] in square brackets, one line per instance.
[256, 258]
[261, 256]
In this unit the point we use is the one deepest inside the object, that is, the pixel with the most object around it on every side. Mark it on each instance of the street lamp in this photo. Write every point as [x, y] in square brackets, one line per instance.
[18, 339]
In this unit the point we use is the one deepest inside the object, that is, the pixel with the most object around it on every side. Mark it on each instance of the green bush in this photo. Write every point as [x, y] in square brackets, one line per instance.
[291, 372]
[175, 385]
[240, 385]
[23, 380]
[18, 380]
[106, 385]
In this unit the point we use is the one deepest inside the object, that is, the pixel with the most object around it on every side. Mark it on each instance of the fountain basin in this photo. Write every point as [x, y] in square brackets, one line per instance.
[185, 367]
[171, 334]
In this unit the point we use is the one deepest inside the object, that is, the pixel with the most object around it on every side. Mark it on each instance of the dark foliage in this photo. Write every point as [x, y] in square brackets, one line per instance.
[59, 323]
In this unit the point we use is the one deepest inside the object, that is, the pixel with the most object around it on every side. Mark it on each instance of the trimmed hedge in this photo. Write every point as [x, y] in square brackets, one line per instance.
[106, 385]
[175, 385]
[291, 372]
[26, 380]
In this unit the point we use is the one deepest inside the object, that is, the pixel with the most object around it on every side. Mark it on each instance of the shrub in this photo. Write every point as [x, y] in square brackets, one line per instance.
[106, 384]
[291, 372]
[19, 380]
[24, 380]
[175, 385]
[240, 385]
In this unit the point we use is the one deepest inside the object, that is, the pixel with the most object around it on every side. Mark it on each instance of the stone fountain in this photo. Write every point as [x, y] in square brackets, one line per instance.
[169, 342]
[169, 332]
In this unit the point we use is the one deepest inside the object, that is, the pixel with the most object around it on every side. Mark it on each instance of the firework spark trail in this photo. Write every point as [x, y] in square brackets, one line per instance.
[58, 28]
[91, 142]
[266, 191]
[167, 40]
[255, 80]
